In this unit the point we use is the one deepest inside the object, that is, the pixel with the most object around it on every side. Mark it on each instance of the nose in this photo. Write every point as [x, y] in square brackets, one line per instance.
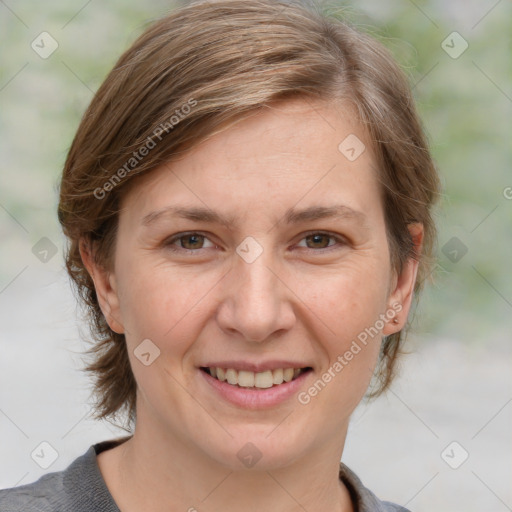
[257, 302]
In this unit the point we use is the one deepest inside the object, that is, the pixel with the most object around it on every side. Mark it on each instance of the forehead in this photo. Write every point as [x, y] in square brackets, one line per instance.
[292, 153]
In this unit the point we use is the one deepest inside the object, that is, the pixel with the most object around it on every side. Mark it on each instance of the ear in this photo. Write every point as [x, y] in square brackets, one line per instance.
[105, 285]
[400, 298]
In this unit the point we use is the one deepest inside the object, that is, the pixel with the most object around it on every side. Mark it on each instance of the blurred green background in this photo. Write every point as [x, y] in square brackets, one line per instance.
[465, 103]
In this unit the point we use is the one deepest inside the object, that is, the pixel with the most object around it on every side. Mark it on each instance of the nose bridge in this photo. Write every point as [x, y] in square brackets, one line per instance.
[257, 305]
[258, 285]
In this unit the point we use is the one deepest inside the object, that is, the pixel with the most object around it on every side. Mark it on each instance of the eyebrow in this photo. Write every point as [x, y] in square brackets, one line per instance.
[292, 215]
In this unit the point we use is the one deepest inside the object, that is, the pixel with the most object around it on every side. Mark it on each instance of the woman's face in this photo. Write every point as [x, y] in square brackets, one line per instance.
[281, 262]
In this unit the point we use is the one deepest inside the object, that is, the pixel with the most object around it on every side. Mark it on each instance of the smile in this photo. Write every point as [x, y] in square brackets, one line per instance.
[248, 379]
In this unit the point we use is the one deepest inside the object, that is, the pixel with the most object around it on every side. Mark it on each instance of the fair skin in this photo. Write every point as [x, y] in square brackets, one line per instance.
[304, 299]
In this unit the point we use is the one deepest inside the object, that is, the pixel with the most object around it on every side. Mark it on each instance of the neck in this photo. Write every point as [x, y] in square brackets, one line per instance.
[153, 472]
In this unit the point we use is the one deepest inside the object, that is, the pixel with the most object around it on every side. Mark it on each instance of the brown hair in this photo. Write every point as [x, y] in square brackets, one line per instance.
[206, 65]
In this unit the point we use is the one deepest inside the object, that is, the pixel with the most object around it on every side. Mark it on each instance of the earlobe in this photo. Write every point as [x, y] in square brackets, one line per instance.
[400, 298]
[105, 285]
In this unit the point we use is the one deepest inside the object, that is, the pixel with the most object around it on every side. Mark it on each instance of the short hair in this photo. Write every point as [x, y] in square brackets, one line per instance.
[199, 69]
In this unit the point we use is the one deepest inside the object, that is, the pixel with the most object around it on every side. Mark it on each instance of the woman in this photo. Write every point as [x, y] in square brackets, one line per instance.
[248, 201]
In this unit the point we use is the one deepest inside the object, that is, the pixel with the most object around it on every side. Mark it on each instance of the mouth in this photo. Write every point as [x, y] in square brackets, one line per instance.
[256, 380]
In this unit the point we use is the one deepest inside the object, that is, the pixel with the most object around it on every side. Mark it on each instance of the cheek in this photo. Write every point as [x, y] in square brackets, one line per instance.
[348, 298]
[161, 303]
[347, 307]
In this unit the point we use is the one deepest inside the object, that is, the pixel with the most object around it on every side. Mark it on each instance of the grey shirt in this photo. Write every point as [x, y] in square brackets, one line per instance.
[81, 488]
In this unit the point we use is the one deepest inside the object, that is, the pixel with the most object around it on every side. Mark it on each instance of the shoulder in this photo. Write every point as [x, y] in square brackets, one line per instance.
[44, 495]
[364, 499]
[80, 488]
[393, 507]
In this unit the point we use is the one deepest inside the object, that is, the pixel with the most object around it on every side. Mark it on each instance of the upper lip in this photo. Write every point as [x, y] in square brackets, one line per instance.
[256, 367]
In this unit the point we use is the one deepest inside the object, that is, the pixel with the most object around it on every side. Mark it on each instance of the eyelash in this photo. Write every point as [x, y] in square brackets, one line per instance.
[170, 241]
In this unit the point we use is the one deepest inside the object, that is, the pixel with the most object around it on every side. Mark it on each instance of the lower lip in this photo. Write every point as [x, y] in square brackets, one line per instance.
[256, 398]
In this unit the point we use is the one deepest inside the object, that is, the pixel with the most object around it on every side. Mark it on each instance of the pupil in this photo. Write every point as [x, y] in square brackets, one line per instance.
[194, 238]
[317, 238]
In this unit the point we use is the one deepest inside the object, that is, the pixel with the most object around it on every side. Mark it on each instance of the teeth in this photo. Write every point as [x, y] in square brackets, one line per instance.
[232, 376]
[262, 380]
[278, 376]
[288, 374]
[245, 379]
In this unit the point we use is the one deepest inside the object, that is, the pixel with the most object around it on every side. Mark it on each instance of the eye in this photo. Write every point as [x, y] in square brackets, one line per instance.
[187, 242]
[194, 241]
[318, 240]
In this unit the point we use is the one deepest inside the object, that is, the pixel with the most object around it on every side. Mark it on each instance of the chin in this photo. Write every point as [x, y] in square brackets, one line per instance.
[257, 448]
